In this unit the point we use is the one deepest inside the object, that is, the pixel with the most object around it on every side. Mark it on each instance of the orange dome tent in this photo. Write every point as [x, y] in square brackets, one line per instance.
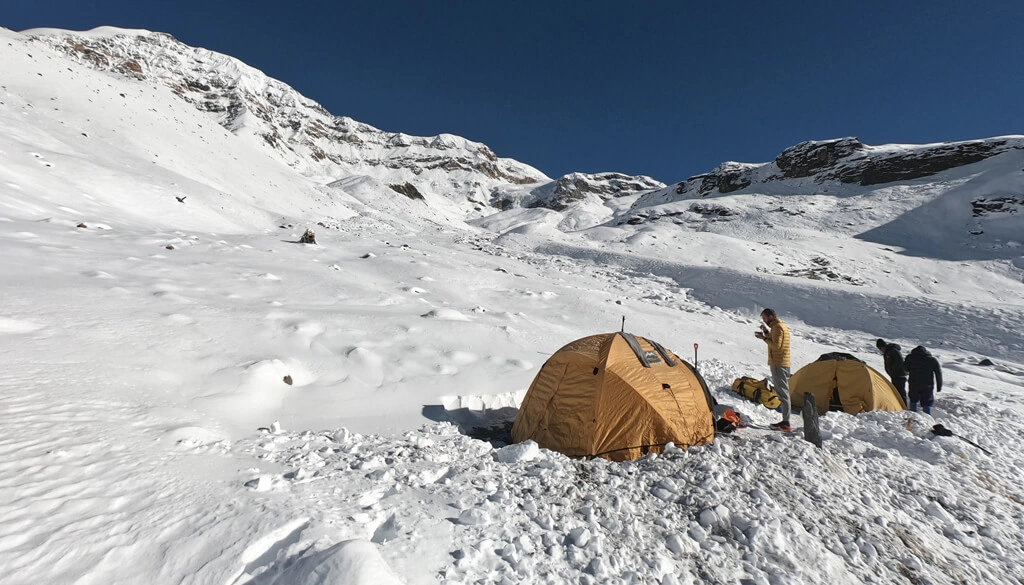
[615, 396]
[840, 381]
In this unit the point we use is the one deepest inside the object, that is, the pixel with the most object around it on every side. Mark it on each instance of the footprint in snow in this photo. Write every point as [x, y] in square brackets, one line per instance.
[366, 366]
[445, 315]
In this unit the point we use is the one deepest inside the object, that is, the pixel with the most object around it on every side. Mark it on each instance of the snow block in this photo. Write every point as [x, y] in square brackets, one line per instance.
[525, 451]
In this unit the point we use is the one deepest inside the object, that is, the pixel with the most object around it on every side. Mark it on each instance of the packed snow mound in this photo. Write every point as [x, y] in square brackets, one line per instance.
[352, 562]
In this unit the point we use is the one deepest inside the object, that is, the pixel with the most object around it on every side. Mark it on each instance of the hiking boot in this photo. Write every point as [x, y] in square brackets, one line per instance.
[781, 426]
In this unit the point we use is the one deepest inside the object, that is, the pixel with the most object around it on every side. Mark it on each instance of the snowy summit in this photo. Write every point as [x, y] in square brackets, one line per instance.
[196, 392]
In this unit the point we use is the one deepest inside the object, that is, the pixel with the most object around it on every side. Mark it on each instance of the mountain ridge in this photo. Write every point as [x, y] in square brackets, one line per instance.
[288, 126]
[450, 179]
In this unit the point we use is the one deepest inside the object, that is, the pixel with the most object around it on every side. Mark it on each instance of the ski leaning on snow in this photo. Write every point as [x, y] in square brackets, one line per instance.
[812, 430]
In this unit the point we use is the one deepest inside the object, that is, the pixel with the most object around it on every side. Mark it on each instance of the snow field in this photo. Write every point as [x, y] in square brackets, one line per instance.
[880, 503]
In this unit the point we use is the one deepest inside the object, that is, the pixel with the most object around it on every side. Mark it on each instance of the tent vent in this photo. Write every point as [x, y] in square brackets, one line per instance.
[664, 354]
[635, 346]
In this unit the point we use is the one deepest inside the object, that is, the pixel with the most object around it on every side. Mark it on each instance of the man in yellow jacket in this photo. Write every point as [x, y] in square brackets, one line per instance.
[775, 333]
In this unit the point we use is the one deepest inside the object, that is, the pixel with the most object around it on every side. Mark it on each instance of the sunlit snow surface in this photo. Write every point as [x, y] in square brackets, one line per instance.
[190, 396]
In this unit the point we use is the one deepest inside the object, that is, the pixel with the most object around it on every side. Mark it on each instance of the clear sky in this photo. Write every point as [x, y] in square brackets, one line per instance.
[666, 89]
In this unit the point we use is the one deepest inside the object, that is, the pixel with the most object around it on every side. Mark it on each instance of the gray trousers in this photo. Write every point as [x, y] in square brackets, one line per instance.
[780, 379]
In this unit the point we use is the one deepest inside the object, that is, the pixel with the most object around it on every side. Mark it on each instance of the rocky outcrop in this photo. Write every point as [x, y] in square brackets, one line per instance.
[726, 178]
[811, 157]
[915, 164]
[574, 188]
[848, 160]
[408, 190]
[1006, 204]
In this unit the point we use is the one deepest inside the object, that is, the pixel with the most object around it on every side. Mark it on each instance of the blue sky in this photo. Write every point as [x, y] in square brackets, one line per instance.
[666, 89]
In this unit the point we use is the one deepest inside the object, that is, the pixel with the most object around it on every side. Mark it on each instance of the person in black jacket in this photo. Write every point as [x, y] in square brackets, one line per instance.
[925, 376]
[893, 356]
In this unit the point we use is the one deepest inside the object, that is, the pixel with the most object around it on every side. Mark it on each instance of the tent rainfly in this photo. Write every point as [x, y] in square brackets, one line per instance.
[615, 396]
[839, 381]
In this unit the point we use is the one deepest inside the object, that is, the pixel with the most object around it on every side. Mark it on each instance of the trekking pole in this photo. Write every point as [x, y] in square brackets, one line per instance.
[623, 324]
[695, 355]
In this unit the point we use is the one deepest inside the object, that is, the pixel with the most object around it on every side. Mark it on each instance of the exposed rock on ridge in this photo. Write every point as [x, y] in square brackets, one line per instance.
[848, 160]
[575, 188]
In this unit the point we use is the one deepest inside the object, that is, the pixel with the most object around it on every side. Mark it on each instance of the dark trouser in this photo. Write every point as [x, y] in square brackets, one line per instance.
[925, 396]
[780, 380]
[901, 386]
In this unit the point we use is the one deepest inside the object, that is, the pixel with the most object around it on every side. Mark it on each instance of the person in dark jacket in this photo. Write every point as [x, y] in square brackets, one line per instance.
[893, 356]
[924, 378]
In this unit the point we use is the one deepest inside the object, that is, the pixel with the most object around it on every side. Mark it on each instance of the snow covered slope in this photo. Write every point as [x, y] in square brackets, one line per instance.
[287, 126]
[956, 200]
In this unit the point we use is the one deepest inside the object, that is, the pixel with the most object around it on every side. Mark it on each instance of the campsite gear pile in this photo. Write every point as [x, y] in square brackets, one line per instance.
[727, 420]
[616, 396]
[759, 391]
